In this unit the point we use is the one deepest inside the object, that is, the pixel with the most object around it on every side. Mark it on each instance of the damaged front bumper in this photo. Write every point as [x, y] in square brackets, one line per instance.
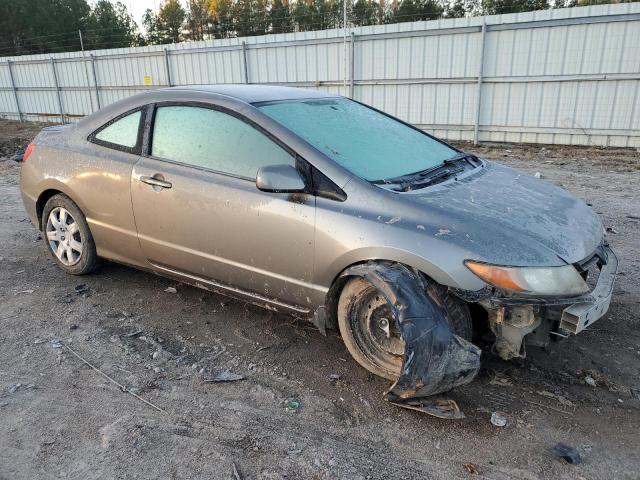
[580, 315]
[517, 321]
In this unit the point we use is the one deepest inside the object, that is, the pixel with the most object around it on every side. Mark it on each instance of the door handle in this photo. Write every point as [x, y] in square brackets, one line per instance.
[155, 182]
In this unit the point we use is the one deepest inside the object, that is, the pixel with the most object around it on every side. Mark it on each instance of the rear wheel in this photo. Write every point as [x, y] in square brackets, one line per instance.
[68, 237]
[371, 332]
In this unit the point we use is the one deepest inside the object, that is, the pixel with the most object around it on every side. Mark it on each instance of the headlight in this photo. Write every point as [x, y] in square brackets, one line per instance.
[563, 280]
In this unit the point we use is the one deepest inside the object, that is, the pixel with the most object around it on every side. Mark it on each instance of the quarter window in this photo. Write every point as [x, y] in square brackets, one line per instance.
[123, 132]
[208, 138]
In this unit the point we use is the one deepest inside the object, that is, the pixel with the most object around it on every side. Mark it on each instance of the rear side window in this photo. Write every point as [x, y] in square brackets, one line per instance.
[123, 134]
[212, 139]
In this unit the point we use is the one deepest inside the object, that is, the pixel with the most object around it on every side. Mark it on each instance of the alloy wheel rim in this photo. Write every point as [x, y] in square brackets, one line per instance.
[63, 236]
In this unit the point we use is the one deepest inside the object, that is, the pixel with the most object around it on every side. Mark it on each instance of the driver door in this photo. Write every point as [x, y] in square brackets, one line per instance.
[199, 213]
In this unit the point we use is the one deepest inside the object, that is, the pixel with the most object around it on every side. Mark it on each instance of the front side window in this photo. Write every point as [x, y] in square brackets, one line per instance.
[368, 143]
[208, 138]
[121, 133]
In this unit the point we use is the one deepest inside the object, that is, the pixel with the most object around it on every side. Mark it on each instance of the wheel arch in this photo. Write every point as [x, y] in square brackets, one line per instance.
[341, 279]
[49, 191]
[42, 200]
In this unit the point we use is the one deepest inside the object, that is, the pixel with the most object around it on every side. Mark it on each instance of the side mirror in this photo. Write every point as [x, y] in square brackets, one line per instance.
[279, 179]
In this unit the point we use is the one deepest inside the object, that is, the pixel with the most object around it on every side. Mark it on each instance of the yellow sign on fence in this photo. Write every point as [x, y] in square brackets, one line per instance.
[147, 80]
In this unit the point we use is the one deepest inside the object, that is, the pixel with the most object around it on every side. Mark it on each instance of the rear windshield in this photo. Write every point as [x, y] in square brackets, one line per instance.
[365, 142]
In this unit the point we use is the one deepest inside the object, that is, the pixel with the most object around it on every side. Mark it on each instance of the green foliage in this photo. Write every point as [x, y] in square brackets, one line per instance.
[171, 20]
[251, 17]
[35, 26]
[221, 12]
[280, 17]
[198, 19]
[151, 24]
[496, 7]
[462, 8]
[366, 12]
[39, 26]
[109, 26]
[317, 14]
[415, 10]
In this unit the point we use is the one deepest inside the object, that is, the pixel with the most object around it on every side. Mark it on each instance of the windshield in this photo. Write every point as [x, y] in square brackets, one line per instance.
[365, 142]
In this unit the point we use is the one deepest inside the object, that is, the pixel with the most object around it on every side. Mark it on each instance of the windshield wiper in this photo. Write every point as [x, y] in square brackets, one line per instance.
[432, 174]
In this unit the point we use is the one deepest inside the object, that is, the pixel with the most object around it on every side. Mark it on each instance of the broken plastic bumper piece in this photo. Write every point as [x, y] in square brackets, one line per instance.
[579, 316]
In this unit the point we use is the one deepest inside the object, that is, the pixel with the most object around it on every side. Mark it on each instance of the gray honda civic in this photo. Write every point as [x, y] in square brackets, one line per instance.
[319, 206]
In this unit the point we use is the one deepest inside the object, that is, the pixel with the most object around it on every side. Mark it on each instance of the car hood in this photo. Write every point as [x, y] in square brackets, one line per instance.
[507, 217]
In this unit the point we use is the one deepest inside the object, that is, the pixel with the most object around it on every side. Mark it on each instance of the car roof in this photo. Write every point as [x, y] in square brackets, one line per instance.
[254, 93]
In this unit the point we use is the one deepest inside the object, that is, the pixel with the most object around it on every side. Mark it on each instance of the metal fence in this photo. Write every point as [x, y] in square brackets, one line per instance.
[566, 76]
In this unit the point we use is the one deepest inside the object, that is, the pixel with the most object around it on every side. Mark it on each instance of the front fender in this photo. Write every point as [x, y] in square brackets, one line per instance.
[445, 271]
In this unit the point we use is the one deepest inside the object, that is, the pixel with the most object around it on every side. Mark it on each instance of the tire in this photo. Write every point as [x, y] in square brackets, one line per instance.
[362, 311]
[68, 237]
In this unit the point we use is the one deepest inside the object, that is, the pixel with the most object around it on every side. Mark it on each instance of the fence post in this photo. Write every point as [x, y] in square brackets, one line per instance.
[352, 64]
[95, 79]
[15, 91]
[244, 62]
[166, 66]
[55, 79]
[479, 92]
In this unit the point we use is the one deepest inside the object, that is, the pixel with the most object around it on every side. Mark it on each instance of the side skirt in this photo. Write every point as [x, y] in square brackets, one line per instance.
[234, 292]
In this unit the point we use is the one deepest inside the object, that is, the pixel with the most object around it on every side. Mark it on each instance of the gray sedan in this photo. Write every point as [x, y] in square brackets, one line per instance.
[320, 206]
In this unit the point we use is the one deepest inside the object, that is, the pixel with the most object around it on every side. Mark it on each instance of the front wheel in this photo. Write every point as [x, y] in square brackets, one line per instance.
[68, 237]
[371, 332]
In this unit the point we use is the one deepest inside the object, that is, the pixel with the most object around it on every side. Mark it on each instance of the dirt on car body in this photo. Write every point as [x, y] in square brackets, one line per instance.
[304, 409]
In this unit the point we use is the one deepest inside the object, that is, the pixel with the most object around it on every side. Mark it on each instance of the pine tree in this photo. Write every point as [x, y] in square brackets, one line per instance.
[280, 17]
[171, 20]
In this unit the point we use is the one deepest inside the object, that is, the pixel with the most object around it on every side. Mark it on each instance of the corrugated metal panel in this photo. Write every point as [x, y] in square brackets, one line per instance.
[554, 76]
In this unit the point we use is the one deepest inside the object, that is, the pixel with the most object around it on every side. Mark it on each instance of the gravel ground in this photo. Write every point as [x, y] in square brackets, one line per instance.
[59, 418]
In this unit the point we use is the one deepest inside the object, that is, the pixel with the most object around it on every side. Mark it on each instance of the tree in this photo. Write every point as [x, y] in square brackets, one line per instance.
[110, 26]
[497, 7]
[330, 13]
[415, 10]
[280, 17]
[34, 26]
[302, 13]
[171, 20]
[365, 12]
[462, 8]
[37, 26]
[221, 13]
[251, 17]
[151, 23]
[317, 14]
[198, 19]
[456, 9]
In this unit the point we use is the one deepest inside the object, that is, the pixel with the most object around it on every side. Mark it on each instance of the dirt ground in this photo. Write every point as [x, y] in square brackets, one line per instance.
[59, 418]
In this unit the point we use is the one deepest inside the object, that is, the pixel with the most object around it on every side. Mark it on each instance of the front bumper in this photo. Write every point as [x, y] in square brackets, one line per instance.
[580, 315]
[513, 318]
